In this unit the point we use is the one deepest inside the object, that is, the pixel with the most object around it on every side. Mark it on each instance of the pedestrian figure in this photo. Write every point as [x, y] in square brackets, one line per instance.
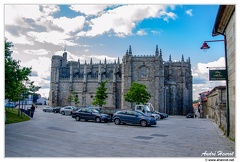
[32, 110]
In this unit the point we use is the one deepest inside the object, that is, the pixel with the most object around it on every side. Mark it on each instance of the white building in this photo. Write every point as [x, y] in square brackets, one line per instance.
[42, 100]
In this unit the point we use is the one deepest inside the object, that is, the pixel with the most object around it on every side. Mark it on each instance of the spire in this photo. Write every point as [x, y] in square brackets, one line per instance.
[156, 52]
[127, 52]
[130, 50]
[160, 53]
[105, 61]
[189, 59]
[182, 58]
[91, 61]
[170, 59]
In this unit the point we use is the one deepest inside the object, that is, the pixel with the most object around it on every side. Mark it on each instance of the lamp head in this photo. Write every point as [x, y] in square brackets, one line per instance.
[205, 46]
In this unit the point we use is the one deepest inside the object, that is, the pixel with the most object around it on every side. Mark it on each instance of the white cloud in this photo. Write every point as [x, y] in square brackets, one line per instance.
[156, 32]
[14, 14]
[83, 58]
[70, 25]
[44, 92]
[200, 74]
[42, 63]
[43, 75]
[98, 58]
[21, 39]
[86, 50]
[24, 16]
[189, 12]
[88, 9]
[54, 37]
[141, 32]
[203, 67]
[48, 10]
[168, 15]
[70, 56]
[36, 52]
[123, 19]
[81, 34]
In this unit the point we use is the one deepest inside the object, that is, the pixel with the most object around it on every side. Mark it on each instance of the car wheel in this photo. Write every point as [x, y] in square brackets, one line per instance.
[117, 121]
[44, 110]
[63, 113]
[143, 123]
[77, 118]
[98, 120]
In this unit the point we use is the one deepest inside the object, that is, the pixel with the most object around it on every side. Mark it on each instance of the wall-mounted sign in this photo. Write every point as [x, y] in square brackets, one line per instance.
[217, 74]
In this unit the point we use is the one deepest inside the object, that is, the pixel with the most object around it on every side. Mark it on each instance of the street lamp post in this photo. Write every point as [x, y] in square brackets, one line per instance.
[205, 47]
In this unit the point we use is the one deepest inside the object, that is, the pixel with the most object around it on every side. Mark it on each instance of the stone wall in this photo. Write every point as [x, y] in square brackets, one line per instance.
[169, 83]
[230, 36]
[216, 106]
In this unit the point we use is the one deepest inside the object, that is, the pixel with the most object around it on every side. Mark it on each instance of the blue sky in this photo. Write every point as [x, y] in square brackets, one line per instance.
[99, 31]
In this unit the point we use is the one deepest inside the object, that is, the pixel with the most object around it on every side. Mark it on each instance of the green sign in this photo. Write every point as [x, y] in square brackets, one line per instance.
[217, 74]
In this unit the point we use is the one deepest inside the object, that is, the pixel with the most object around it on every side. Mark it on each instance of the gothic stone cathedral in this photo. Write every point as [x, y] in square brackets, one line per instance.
[169, 82]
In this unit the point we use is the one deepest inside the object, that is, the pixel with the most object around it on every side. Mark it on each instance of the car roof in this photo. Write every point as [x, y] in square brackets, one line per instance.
[127, 111]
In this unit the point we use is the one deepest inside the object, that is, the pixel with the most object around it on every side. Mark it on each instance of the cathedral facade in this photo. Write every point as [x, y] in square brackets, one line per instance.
[168, 82]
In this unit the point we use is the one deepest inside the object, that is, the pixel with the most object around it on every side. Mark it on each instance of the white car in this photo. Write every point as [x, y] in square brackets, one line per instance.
[67, 110]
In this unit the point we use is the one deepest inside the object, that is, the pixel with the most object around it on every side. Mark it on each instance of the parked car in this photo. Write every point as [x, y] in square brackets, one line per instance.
[190, 115]
[48, 109]
[10, 105]
[67, 110]
[162, 115]
[91, 114]
[56, 109]
[133, 117]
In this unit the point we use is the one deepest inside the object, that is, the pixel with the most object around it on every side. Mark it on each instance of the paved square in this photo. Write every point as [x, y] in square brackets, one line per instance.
[55, 135]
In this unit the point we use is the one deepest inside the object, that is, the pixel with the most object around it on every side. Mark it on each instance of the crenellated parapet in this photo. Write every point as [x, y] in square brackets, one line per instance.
[74, 70]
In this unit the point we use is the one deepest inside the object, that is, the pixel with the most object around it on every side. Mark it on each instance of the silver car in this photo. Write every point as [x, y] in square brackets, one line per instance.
[67, 110]
[47, 109]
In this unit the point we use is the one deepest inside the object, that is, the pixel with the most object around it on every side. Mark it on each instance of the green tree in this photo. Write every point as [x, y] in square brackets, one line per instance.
[137, 93]
[17, 84]
[73, 97]
[101, 95]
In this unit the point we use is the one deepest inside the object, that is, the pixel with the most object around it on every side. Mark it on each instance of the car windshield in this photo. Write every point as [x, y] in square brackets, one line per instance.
[95, 111]
[146, 108]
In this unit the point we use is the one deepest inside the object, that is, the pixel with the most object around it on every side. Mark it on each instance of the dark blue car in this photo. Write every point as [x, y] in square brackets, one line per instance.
[90, 114]
[133, 117]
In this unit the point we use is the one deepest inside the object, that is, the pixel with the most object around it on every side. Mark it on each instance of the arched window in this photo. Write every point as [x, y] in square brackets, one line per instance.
[89, 75]
[109, 74]
[96, 75]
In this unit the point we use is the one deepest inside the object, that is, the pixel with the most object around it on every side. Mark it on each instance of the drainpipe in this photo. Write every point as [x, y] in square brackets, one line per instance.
[227, 87]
